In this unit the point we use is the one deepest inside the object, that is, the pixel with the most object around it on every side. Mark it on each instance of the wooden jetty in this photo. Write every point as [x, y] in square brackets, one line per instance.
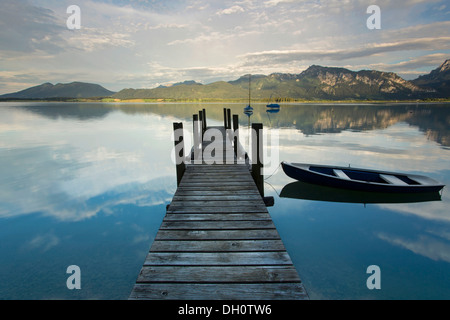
[217, 240]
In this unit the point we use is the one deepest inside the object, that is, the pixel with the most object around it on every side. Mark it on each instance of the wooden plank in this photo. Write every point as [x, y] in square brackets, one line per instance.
[217, 245]
[217, 203]
[209, 209]
[203, 167]
[219, 197]
[216, 225]
[216, 216]
[217, 187]
[215, 193]
[218, 258]
[216, 179]
[222, 274]
[206, 184]
[258, 234]
[228, 291]
[219, 173]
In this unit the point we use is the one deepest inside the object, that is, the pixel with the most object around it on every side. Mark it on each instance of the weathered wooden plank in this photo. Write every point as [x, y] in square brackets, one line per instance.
[206, 184]
[221, 197]
[218, 258]
[263, 234]
[217, 187]
[216, 193]
[228, 291]
[213, 274]
[229, 170]
[218, 167]
[220, 173]
[218, 203]
[241, 180]
[216, 216]
[217, 245]
[204, 225]
[209, 209]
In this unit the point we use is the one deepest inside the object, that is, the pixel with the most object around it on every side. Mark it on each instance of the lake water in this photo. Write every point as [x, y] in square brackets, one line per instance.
[87, 185]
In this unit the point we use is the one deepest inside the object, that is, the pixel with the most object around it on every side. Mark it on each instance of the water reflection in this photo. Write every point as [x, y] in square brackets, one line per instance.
[72, 161]
[87, 184]
[433, 120]
[307, 191]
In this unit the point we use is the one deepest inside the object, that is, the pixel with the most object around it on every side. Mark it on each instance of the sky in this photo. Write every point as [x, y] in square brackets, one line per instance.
[146, 43]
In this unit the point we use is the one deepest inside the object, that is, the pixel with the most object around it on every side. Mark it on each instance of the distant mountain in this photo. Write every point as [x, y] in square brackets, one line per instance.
[315, 83]
[437, 80]
[187, 82]
[60, 90]
[216, 90]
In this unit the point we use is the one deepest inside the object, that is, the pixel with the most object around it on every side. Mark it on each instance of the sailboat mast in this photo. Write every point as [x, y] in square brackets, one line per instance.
[249, 86]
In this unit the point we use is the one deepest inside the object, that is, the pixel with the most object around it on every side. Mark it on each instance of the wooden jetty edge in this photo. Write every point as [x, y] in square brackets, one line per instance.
[217, 240]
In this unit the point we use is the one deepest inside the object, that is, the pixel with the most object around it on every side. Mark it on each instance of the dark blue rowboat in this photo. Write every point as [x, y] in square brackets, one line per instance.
[361, 179]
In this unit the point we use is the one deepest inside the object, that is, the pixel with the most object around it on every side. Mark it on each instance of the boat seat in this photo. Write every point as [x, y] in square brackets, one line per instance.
[341, 174]
[392, 179]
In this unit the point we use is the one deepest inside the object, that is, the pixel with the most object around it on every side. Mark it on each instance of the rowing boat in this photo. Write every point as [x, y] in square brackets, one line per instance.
[361, 179]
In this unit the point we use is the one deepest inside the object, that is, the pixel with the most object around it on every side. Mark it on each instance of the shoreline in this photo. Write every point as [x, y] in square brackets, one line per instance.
[256, 101]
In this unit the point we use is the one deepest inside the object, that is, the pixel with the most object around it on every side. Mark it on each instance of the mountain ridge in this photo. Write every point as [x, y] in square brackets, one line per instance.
[314, 83]
[438, 79]
[48, 90]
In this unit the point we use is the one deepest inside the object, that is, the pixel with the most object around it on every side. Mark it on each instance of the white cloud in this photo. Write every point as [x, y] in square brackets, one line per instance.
[44, 242]
[90, 39]
[424, 245]
[231, 10]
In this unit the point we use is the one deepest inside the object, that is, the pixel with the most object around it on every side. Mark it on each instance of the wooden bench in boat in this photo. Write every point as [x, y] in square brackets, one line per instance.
[392, 179]
[341, 174]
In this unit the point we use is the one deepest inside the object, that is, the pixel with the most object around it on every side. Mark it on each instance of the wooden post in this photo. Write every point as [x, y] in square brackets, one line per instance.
[225, 118]
[194, 118]
[236, 133]
[200, 116]
[228, 119]
[197, 139]
[204, 122]
[179, 150]
[257, 153]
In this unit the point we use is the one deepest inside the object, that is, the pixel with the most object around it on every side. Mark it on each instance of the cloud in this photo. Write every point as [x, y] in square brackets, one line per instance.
[412, 65]
[231, 10]
[44, 242]
[424, 245]
[90, 39]
[286, 56]
[272, 3]
[27, 28]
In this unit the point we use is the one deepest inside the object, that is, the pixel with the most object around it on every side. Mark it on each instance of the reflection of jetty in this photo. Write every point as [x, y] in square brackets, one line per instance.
[217, 240]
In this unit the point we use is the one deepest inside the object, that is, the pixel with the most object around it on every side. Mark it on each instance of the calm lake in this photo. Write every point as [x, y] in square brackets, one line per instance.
[87, 184]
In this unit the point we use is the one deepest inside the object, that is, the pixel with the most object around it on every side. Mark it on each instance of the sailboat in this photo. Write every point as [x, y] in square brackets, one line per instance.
[272, 105]
[248, 110]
